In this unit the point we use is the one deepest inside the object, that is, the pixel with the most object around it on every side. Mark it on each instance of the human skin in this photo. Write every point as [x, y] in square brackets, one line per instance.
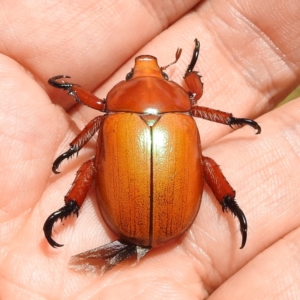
[249, 60]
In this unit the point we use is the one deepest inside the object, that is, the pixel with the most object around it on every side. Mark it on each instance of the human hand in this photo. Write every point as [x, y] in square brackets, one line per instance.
[249, 61]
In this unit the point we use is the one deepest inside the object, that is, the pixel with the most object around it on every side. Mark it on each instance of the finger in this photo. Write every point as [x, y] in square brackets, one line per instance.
[87, 41]
[30, 132]
[247, 67]
[272, 275]
[28, 137]
[264, 172]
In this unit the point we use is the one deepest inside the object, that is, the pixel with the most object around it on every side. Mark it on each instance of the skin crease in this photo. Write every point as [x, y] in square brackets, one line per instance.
[249, 60]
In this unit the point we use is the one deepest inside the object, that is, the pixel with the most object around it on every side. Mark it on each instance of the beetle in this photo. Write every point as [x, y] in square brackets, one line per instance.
[148, 170]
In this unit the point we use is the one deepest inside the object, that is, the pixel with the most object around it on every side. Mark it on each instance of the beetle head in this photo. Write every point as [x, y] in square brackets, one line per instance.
[146, 65]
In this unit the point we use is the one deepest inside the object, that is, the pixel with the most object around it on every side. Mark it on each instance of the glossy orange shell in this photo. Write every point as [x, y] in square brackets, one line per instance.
[149, 178]
[148, 95]
[148, 91]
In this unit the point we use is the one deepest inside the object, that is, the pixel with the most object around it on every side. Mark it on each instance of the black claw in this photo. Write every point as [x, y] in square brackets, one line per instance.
[194, 57]
[65, 155]
[65, 211]
[240, 122]
[60, 85]
[229, 203]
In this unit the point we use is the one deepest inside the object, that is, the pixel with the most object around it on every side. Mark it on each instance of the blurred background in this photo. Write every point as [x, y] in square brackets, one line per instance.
[295, 94]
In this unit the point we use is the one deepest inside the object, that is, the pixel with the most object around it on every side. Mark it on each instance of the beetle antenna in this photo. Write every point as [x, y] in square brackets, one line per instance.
[177, 56]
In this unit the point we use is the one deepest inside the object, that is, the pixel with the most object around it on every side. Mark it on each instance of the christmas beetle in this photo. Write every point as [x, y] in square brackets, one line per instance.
[148, 169]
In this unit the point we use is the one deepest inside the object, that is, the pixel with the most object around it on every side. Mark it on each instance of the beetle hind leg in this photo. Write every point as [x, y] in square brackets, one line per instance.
[104, 258]
[73, 200]
[229, 203]
[62, 213]
[224, 193]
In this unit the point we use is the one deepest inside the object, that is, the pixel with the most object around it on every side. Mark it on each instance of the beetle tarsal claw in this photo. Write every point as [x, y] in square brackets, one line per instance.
[65, 211]
[241, 122]
[62, 157]
[194, 58]
[229, 203]
[60, 85]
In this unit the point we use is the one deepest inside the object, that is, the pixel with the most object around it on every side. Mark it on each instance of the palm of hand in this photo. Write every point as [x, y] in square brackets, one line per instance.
[247, 81]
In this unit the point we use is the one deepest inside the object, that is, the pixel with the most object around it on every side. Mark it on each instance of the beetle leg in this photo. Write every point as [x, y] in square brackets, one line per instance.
[83, 137]
[195, 85]
[192, 79]
[73, 200]
[81, 95]
[224, 193]
[222, 117]
[107, 256]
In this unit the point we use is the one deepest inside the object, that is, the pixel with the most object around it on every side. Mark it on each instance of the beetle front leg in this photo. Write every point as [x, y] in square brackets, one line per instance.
[224, 193]
[73, 200]
[222, 117]
[83, 137]
[192, 79]
[80, 94]
[195, 85]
